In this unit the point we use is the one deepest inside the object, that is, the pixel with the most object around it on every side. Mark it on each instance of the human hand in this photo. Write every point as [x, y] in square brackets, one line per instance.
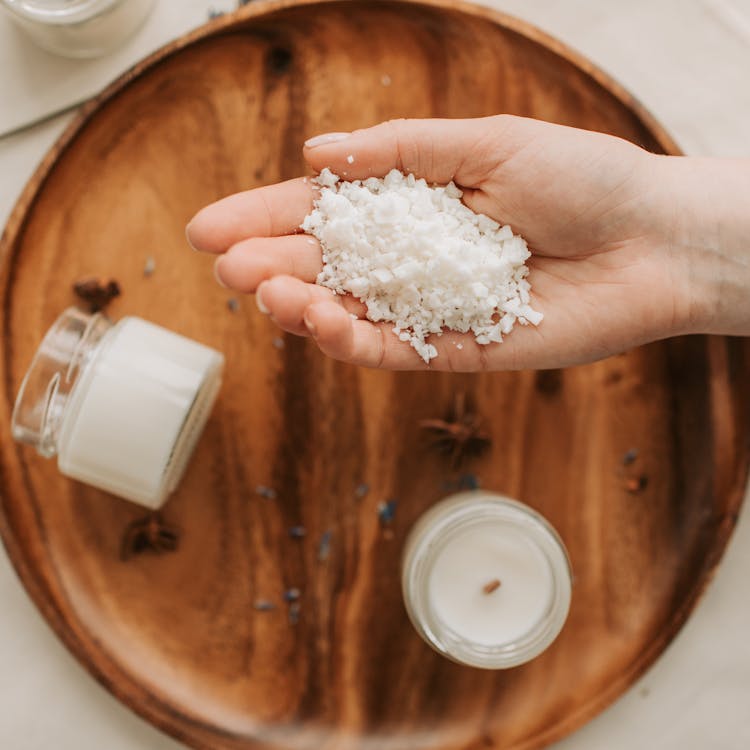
[610, 267]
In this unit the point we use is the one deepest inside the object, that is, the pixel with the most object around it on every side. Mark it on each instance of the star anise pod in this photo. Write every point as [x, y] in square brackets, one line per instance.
[460, 434]
[149, 533]
[95, 293]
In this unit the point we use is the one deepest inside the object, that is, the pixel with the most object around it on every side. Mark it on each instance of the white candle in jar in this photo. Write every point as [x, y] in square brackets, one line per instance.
[486, 580]
[78, 28]
[122, 406]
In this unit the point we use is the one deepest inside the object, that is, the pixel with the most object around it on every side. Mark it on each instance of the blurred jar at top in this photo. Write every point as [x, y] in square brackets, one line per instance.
[78, 28]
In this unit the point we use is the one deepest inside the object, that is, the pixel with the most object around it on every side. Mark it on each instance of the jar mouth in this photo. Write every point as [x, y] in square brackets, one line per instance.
[449, 519]
[58, 12]
[65, 351]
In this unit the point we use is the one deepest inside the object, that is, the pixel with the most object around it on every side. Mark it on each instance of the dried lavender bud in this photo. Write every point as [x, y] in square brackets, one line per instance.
[263, 605]
[468, 482]
[291, 595]
[297, 532]
[267, 492]
[386, 512]
[630, 457]
[324, 546]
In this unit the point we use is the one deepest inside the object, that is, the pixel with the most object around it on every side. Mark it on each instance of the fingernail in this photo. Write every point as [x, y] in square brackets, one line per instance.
[322, 140]
[311, 327]
[187, 237]
[217, 276]
[259, 300]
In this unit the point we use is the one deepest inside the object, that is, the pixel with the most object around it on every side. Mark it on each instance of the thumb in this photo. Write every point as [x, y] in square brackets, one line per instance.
[465, 151]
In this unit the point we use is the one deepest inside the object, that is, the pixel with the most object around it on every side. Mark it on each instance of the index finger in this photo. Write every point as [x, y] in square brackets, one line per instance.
[269, 211]
[438, 150]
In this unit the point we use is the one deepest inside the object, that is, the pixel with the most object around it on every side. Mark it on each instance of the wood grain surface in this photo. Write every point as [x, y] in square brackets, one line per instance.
[295, 437]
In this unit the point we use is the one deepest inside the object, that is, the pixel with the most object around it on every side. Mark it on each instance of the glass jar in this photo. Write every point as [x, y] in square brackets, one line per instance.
[121, 405]
[79, 28]
[486, 580]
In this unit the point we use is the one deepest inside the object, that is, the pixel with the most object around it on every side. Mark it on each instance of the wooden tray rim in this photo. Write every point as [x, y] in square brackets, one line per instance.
[113, 676]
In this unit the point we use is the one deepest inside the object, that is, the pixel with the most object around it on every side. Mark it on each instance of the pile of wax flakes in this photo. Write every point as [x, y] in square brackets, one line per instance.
[420, 259]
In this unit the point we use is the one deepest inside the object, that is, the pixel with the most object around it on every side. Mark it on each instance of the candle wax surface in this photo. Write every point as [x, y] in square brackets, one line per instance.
[473, 558]
[124, 421]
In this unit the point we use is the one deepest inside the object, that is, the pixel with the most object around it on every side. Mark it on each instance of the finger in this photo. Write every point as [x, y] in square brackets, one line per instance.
[438, 150]
[375, 345]
[264, 212]
[248, 263]
[358, 342]
[286, 299]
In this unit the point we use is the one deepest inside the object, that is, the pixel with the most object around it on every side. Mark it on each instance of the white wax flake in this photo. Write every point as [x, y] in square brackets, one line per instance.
[350, 159]
[326, 179]
[420, 259]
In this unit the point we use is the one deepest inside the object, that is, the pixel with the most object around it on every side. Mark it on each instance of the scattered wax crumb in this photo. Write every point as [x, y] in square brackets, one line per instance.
[459, 346]
[350, 159]
[149, 266]
[385, 79]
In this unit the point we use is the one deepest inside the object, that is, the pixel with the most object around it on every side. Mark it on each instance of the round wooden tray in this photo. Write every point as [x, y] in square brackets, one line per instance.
[176, 636]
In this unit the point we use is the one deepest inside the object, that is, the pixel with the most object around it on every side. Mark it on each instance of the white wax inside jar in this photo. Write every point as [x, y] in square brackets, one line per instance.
[475, 557]
[145, 388]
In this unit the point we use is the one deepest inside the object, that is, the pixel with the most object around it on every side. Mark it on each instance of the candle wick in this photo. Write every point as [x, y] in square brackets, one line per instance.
[491, 586]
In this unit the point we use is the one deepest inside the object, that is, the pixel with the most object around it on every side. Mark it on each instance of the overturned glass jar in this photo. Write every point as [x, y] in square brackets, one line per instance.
[121, 405]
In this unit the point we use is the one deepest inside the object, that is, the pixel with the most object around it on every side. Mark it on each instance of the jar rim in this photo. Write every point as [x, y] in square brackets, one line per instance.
[441, 523]
[58, 362]
[58, 12]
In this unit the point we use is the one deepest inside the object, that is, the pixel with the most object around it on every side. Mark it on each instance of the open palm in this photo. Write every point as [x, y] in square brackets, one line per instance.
[589, 206]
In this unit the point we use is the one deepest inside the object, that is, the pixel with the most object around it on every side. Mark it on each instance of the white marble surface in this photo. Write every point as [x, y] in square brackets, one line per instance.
[689, 61]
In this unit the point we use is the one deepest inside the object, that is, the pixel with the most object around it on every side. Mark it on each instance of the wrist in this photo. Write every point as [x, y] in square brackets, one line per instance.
[706, 234]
